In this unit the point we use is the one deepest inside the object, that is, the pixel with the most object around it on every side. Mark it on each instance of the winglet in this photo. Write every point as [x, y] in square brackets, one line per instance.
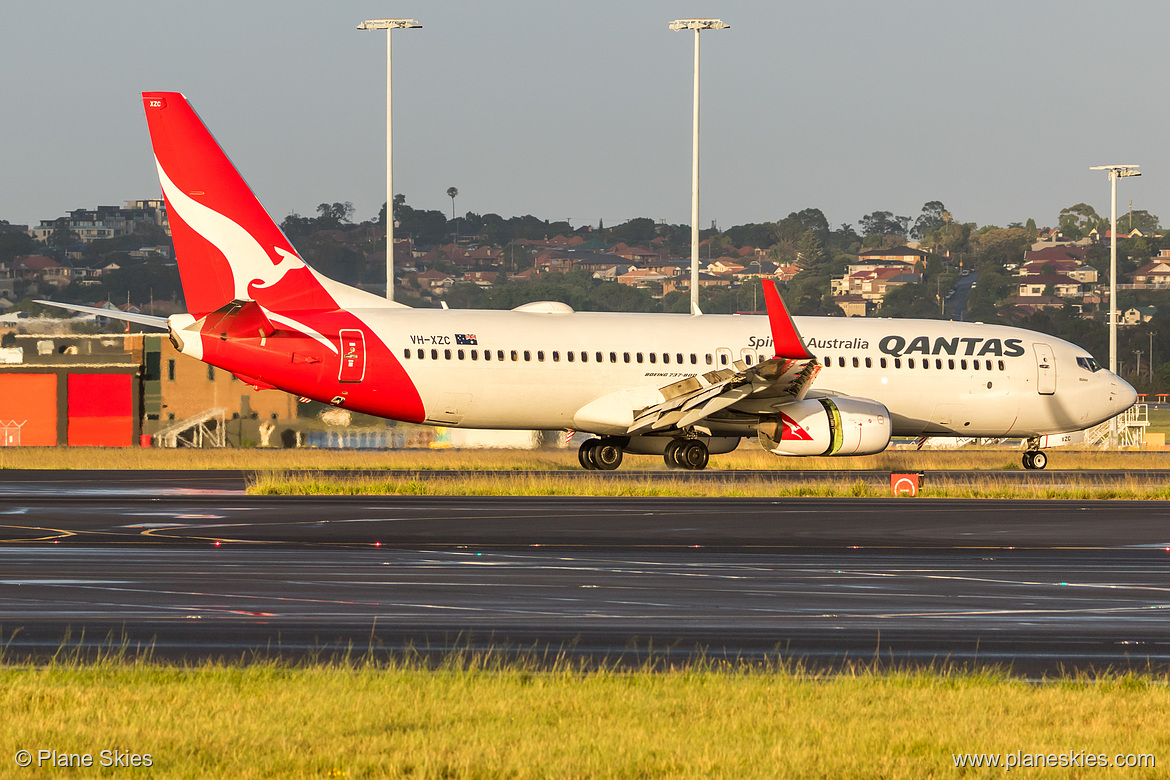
[785, 338]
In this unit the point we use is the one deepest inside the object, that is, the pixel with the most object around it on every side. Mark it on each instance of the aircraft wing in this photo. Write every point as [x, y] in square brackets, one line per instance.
[691, 401]
[785, 378]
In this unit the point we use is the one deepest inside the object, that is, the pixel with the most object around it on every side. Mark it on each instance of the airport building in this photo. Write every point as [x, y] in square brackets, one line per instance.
[134, 389]
[114, 390]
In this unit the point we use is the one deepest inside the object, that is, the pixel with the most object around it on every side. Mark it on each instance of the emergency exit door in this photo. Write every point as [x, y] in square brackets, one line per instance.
[353, 355]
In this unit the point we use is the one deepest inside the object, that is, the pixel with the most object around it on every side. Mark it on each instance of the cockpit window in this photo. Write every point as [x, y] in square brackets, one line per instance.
[1089, 364]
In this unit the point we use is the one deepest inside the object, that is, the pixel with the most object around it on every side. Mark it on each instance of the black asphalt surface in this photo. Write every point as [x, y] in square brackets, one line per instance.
[196, 570]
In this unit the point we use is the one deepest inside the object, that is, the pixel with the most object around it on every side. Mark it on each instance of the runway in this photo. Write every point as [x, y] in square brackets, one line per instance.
[207, 572]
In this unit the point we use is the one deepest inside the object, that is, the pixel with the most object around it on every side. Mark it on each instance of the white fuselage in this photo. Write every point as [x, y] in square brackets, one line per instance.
[935, 377]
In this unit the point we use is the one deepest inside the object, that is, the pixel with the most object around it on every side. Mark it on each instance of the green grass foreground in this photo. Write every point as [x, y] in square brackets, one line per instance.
[488, 721]
[310, 484]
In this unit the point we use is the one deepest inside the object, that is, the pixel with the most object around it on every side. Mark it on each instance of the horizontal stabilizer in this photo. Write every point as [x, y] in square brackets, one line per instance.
[113, 314]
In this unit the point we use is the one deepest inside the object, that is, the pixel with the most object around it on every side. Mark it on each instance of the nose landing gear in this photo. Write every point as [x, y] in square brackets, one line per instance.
[1035, 459]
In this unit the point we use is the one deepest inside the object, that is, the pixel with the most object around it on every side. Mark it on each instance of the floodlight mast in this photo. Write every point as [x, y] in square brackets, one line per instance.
[389, 25]
[697, 25]
[1115, 172]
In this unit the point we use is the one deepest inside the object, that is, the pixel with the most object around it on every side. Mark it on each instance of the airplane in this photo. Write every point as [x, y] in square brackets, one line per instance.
[682, 386]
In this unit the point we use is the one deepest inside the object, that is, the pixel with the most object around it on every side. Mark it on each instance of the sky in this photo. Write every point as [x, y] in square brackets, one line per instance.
[582, 111]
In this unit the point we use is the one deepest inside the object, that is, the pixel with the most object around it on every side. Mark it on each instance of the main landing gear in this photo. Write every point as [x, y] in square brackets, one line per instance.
[600, 454]
[686, 454]
[605, 454]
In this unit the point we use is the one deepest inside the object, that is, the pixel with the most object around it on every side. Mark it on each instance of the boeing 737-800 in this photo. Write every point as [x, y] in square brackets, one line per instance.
[680, 386]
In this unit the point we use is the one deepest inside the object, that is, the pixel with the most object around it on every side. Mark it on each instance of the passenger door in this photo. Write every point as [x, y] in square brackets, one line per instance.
[1045, 369]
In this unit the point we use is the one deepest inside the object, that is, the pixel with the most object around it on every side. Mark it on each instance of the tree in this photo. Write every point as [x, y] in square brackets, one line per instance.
[63, 236]
[884, 223]
[639, 230]
[810, 254]
[934, 217]
[1079, 220]
[1140, 219]
[15, 244]
[331, 216]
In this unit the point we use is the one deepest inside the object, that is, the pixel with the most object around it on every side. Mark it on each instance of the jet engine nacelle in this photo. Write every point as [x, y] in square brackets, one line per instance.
[827, 426]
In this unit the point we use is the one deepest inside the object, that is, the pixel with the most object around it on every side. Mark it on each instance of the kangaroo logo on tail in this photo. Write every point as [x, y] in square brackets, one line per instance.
[248, 261]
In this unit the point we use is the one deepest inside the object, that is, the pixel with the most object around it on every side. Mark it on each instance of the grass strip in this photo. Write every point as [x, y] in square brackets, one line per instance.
[748, 456]
[310, 484]
[474, 718]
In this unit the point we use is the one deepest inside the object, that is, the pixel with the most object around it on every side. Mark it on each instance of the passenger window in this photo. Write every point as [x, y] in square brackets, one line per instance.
[938, 364]
[460, 354]
[963, 364]
[626, 357]
[897, 362]
[841, 362]
[556, 356]
[653, 357]
[612, 357]
[829, 362]
[487, 354]
[1001, 366]
[406, 353]
[421, 354]
[926, 363]
[639, 357]
[747, 359]
[679, 358]
[856, 363]
[540, 355]
[475, 354]
[694, 359]
[500, 355]
[434, 354]
[988, 365]
[723, 360]
[710, 360]
[584, 357]
[446, 354]
[665, 357]
[515, 356]
[527, 356]
[571, 356]
[883, 362]
[951, 364]
[598, 356]
[869, 362]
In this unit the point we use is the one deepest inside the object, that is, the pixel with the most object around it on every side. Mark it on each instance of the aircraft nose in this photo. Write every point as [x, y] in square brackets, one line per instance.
[1121, 394]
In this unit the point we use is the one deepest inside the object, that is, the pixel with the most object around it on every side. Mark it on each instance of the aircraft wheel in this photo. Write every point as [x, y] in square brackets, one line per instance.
[1039, 459]
[693, 455]
[585, 454]
[671, 455]
[606, 455]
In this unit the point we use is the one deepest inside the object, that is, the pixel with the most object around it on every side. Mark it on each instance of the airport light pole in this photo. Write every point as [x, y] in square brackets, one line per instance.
[1115, 172]
[389, 25]
[698, 25]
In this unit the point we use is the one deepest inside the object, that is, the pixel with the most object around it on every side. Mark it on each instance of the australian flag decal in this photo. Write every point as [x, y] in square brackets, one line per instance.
[466, 339]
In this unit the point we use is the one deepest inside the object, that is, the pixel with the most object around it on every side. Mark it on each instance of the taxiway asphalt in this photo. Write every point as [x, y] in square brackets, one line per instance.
[208, 572]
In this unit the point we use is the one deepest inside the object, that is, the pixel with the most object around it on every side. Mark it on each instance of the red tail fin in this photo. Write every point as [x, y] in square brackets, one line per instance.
[227, 246]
